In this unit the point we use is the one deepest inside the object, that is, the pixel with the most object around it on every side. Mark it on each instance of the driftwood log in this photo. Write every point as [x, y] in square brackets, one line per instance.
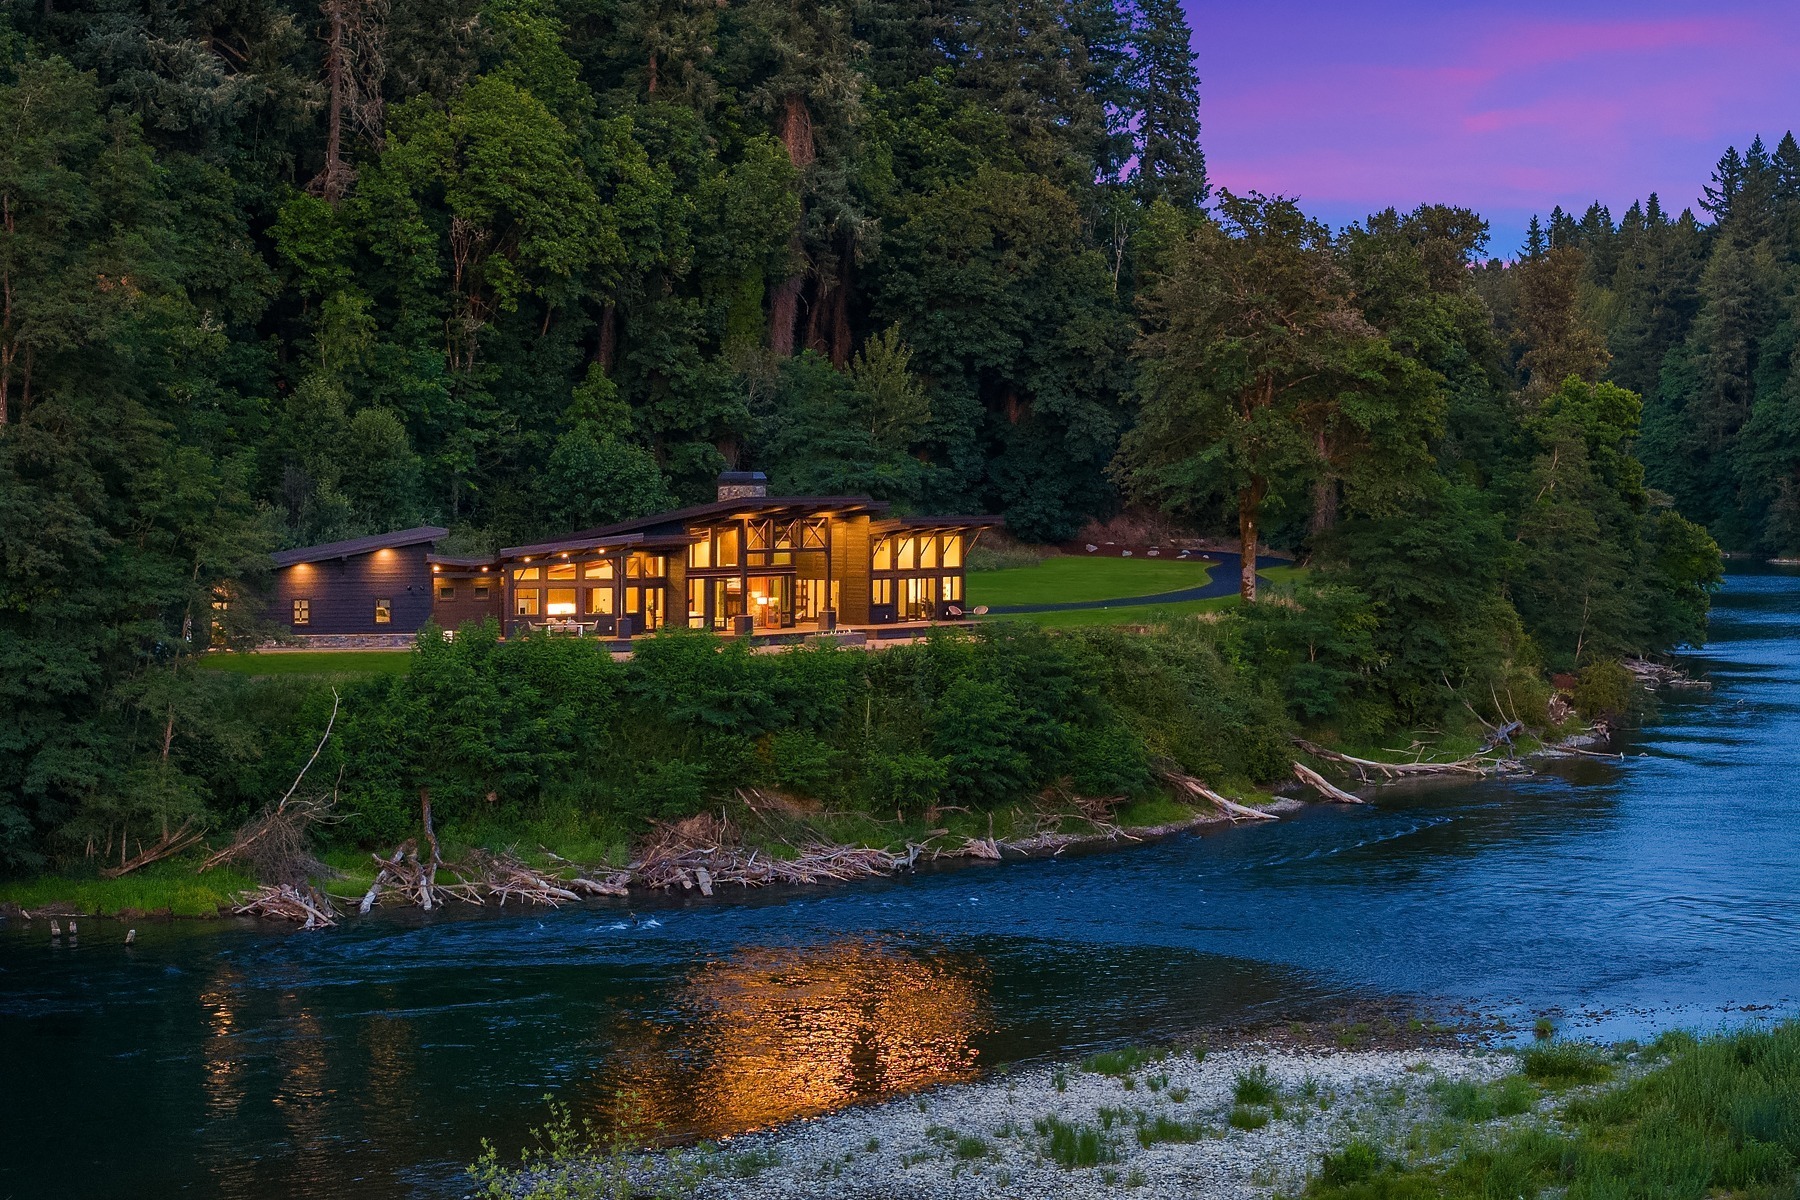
[1324, 786]
[171, 843]
[1231, 808]
[1467, 766]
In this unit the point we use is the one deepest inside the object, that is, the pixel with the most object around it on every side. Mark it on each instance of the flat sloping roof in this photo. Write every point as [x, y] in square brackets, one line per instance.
[720, 508]
[362, 545]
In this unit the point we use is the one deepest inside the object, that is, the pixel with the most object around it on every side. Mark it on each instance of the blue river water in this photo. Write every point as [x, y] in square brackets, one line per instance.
[225, 1059]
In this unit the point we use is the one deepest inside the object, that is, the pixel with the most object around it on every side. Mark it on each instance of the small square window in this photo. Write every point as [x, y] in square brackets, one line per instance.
[303, 612]
[384, 611]
[481, 591]
[446, 591]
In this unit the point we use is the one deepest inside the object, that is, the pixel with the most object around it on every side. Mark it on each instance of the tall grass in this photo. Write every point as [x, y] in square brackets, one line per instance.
[1719, 1118]
[170, 888]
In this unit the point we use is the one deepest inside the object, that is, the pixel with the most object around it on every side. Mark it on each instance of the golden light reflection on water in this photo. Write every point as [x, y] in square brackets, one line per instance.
[221, 1055]
[771, 1034]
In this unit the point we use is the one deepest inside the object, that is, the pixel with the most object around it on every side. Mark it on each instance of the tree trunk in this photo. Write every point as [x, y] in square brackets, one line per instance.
[609, 338]
[330, 183]
[840, 313]
[1249, 513]
[1325, 493]
[784, 301]
[784, 309]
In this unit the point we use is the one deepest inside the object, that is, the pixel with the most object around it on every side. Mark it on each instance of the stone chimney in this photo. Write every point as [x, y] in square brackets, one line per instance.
[743, 485]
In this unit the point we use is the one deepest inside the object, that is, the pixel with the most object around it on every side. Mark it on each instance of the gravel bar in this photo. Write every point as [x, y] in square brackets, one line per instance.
[992, 1138]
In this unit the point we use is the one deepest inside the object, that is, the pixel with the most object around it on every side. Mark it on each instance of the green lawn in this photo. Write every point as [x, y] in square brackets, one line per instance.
[1067, 578]
[1129, 614]
[311, 662]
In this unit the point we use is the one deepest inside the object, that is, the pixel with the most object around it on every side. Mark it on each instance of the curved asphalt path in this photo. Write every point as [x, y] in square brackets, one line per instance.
[1222, 580]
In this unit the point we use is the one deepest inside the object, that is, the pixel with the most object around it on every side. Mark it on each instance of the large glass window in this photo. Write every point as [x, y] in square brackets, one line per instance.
[812, 534]
[599, 570]
[303, 612]
[562, 602]
[525, 604]
[905, 554]
[727, 549]
[952, 585]
[384, 610]
[526, 573]
[697, 604]
[700, 552]
[563, 570]
[884, 554]
[953, 550]
[928, 553]
[600, 602]
[882, 591]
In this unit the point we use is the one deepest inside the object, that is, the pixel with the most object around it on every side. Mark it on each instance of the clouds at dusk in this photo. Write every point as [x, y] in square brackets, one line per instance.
[1505, 108]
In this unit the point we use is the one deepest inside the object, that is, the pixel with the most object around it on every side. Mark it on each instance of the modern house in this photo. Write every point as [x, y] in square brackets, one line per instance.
[746, 563]
[367, 586]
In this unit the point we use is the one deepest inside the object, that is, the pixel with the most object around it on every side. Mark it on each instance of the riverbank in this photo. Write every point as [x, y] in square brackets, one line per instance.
[758, 838]
[1264, 1120]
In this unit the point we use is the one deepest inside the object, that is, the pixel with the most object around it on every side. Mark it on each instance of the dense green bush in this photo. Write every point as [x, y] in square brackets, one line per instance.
[495, 731]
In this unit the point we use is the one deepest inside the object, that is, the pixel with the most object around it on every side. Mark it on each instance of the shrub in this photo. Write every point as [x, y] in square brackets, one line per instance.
[1356, 1162]
[1164, 1128]
[1119, 1062]
[1467, 1100]
[1565, 1063]
[1069, 1145]
[1604, 690]
[1245, 1117]
[1255, 1086]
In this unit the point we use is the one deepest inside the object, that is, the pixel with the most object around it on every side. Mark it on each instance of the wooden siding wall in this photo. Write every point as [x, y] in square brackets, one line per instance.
[675, 601]
[850, 564]
[343, 592]
[463, 607]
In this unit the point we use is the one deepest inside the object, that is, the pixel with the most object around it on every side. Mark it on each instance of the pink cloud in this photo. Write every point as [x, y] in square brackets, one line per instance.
[1354, 106]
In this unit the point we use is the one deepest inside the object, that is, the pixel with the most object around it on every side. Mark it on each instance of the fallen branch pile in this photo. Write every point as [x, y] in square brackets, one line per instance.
[285, 902]
[705, 851]
[1652, 676]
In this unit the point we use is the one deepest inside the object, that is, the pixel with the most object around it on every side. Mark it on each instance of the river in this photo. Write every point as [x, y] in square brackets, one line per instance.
[227, 1059]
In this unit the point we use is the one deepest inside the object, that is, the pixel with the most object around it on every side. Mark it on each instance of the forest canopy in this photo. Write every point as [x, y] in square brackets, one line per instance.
[279, 272]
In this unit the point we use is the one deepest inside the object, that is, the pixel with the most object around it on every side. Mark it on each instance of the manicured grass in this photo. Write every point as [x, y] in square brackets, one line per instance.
[311, 662]
[166, 887]
[1140, 614]
[1721, 1118]
[1067, 578]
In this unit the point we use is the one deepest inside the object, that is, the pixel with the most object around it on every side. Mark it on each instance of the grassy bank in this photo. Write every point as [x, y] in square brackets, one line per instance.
[171, 888]
[1713, 1118]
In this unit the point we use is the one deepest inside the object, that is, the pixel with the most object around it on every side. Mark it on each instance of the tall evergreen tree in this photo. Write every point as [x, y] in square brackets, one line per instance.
[1170, 163]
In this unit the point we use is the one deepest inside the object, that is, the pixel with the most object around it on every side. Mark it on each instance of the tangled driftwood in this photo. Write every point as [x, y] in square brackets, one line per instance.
[705, 851]
[285, 902]
[1479, 765]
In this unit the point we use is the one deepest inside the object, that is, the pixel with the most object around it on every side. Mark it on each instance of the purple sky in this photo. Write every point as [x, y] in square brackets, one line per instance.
[1508, 108]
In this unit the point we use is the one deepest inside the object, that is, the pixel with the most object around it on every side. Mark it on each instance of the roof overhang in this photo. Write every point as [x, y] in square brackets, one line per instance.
[358, 546]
